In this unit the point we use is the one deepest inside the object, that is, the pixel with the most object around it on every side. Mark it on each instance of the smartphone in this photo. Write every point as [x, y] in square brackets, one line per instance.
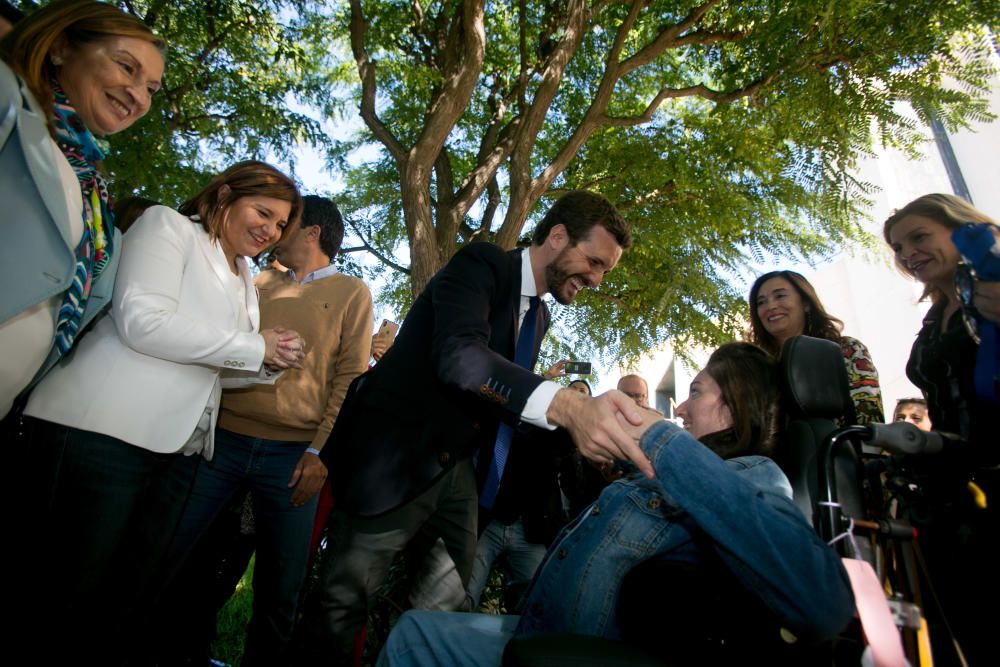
[577, 368]
[388, 330]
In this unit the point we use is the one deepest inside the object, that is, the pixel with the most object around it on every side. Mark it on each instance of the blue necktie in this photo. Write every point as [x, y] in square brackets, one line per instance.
[524, 356]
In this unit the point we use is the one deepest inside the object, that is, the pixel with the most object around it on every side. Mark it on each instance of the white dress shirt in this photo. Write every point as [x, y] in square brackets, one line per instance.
[540, 399]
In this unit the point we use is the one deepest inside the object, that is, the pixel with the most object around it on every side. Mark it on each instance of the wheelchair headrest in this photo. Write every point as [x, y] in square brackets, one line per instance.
[814, 379]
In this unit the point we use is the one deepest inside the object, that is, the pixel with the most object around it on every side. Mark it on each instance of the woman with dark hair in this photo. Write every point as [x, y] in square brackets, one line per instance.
[73, 72]
[783, 305]
[117, 424]
[717, 502]
[955, 507]
[729, 414]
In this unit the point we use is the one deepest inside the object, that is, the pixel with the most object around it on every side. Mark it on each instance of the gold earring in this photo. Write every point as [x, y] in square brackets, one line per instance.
[56, 61]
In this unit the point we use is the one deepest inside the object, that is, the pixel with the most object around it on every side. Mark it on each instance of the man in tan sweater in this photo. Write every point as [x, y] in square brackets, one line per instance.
[269, 435]
[333, 313]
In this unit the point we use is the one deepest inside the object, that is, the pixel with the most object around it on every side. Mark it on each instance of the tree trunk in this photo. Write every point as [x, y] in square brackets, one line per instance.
[425, 258]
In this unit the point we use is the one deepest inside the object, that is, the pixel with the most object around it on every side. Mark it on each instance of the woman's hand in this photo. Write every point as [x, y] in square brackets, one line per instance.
[283, 348]
[986, 299]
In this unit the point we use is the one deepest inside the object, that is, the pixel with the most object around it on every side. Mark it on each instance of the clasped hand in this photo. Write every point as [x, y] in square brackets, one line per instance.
[604, 428]
[283, 348]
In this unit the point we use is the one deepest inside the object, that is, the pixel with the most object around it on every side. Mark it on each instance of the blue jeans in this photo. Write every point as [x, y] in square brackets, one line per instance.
[519, 557]
[422, 638]
[99, 536]
[283, 531]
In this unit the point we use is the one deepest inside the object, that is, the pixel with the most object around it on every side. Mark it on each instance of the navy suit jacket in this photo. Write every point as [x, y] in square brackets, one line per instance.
[440, 391]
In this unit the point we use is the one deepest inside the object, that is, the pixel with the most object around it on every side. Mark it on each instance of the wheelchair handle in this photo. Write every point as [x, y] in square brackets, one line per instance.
[904, 438]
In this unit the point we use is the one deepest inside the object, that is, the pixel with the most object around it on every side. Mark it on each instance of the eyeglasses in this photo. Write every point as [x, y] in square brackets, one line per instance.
[965, 284]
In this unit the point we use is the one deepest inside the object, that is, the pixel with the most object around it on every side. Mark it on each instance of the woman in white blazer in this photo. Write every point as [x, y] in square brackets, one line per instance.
[116, 423]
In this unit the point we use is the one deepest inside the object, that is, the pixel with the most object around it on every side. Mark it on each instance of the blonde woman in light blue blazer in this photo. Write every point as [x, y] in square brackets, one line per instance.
[73, 72]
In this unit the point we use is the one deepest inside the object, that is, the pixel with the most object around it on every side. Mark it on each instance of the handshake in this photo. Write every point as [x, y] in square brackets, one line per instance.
[606, 427]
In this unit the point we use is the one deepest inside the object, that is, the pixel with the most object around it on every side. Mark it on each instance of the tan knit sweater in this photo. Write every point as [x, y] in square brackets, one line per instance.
[334, 316]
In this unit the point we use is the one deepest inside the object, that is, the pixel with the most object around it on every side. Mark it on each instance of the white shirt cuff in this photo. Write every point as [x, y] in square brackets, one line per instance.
[538, 404]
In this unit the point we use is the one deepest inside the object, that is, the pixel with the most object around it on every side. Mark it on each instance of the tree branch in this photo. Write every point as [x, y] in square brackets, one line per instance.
[521, 183]
[461, 68]
[366, 71]
[613, 71]
[559, 192]
[522, 47]
[447, 225]
[707, 38]
[494, 148]
[492, 203]
[370, 248]
[667, 38]
[462, 65]
[177, 94]
[700, 90]
[610, 298]
[180, 124]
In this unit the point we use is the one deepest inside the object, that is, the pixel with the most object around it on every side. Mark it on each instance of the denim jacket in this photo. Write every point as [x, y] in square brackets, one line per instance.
[742, 506]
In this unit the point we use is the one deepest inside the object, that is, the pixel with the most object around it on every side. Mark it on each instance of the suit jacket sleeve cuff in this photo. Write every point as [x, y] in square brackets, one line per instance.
[538, 404]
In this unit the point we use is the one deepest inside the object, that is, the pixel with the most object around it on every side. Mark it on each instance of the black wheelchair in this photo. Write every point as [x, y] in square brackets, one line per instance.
[838, 475]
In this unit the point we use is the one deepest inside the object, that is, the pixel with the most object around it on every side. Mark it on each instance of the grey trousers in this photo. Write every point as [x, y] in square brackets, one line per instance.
[361, 550]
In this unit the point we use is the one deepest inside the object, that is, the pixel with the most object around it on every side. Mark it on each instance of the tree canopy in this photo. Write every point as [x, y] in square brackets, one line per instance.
[725, 131]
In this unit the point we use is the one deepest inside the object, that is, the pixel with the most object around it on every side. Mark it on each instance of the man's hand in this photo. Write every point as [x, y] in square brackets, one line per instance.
[307, 478]
[595, 424]
[649, 416]
[556, 370]
[379, 346]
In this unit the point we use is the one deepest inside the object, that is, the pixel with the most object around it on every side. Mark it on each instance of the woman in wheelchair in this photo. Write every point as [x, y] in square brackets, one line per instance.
[783, 304]
[955, 506]
[717, 503]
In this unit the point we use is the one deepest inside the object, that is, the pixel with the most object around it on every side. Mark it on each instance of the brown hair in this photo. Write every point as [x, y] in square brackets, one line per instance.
[947, 210]
[26, 48]
[579, 211]
[819, 323]
[128, 210]
[748, 381]
[244, 179]
[922, 402]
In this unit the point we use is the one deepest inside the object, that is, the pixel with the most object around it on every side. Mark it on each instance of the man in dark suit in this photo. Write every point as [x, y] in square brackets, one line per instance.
[400, 456]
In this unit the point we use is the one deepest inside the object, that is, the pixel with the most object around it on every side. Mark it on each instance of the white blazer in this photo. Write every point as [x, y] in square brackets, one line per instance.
[146, 374]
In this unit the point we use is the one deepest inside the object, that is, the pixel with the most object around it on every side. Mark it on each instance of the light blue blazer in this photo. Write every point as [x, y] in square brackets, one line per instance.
[36, 253]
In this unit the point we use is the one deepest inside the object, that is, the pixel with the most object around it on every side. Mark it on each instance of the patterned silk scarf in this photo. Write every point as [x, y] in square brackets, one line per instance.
[83, 151]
